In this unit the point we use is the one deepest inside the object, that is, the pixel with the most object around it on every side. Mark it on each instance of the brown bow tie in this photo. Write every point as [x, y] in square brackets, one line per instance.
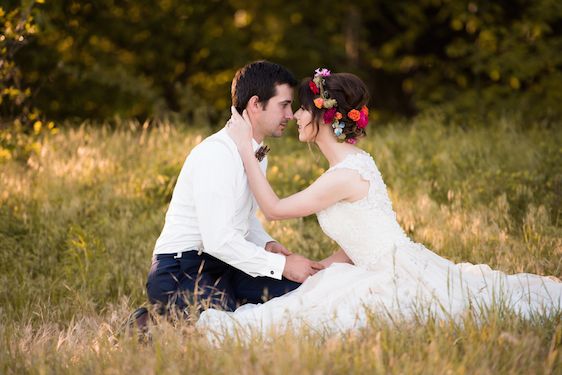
[261, 152]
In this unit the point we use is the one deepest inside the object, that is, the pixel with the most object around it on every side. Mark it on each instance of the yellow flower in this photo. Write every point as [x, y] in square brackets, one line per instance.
[5, 154]
[37, 127]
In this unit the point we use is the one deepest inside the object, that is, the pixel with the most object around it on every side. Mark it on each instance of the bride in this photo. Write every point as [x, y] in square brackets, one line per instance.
[378, 268]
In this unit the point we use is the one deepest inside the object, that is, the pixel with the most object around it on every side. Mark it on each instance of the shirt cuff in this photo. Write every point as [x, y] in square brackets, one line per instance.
[275, 265]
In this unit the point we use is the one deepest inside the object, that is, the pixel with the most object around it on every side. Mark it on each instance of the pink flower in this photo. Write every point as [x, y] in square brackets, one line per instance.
[322, 72]
[351, 141]
[329, 115]
[314, 88]
[363, 120]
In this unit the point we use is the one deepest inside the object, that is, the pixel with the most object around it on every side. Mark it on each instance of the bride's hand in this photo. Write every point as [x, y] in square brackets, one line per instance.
[240, 129]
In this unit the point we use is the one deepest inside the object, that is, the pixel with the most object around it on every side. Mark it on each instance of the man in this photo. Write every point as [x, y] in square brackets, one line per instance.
[212, 251]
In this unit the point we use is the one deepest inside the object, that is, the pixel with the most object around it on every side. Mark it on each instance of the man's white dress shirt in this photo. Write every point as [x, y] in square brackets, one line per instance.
[213, 210]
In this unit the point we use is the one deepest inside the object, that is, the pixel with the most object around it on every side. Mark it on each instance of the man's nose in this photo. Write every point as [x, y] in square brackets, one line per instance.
[290, 115]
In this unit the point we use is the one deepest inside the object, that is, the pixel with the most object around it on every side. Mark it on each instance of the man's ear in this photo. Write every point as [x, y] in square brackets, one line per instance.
[253, 105]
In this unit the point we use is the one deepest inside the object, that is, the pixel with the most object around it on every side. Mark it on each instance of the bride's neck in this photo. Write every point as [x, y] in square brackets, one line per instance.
[333, 150]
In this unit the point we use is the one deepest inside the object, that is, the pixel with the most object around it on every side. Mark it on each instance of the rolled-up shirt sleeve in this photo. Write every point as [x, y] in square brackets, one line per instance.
[214, 194]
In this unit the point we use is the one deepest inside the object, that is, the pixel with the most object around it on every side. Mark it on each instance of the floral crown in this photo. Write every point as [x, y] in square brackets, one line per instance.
[332, 115]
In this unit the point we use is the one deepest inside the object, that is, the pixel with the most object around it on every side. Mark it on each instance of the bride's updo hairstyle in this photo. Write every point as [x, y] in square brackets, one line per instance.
[338, 100]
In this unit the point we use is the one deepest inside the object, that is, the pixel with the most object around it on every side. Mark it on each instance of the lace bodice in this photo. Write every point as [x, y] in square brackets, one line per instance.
[367, 228]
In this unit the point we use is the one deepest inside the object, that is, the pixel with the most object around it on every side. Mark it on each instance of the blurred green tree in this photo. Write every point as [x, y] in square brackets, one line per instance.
[470, 58]
[17, 26]
[97, 59]
[20, 120]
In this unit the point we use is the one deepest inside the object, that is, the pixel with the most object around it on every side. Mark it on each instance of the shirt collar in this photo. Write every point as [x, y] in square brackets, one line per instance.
[256, 145]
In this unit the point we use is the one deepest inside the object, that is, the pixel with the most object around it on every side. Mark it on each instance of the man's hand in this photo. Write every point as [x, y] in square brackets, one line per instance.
[299, 268]
[277, 248]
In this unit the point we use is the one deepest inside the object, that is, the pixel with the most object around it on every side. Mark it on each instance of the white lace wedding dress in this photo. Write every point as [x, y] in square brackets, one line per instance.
[392, 277]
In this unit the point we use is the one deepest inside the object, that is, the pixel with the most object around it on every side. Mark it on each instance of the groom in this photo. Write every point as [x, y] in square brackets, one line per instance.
[212, 251]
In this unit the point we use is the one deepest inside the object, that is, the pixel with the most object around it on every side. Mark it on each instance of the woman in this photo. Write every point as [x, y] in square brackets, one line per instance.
[378, 268]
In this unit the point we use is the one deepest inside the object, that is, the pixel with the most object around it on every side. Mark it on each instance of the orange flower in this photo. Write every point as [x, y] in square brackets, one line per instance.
[339, 115]
[319, 102]
[354, 114]
[365, 110]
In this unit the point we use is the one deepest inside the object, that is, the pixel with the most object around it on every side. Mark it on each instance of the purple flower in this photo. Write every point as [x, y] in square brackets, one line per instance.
[322, 72]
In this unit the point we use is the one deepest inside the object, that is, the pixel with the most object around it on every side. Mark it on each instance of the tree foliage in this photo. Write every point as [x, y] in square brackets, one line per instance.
[18, 27]
[21, 121]
[97, 59]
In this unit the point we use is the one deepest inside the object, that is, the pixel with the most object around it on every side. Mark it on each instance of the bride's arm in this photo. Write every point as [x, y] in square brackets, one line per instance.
[338, 257]
[325, 191]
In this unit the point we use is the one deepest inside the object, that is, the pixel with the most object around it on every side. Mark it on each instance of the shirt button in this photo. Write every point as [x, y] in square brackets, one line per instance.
[273, 273]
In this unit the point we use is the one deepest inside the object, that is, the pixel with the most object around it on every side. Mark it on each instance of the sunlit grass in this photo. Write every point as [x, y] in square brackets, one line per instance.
[79, 220]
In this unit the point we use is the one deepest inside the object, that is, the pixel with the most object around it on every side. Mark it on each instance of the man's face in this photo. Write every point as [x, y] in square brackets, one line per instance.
[272, 120]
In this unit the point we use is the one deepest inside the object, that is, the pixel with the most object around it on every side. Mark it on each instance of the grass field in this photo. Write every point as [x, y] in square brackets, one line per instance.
[79, 219]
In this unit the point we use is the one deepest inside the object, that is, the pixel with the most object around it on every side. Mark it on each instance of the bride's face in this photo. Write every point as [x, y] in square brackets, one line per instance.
[306, 129]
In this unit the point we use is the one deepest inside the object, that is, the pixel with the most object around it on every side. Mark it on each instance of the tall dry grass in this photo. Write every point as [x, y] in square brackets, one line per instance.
[78, 222]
